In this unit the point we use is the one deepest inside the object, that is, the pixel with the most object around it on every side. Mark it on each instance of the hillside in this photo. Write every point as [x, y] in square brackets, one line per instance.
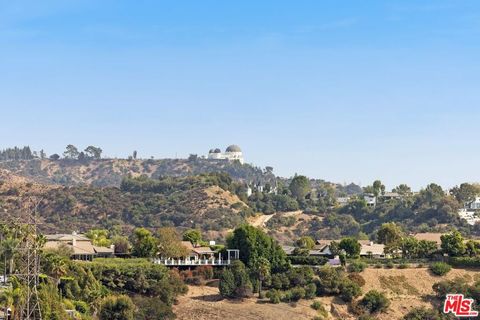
[109, 172]
[406, 289]
[184, 202]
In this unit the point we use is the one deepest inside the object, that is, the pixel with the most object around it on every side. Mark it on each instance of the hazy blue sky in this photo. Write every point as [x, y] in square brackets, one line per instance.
[340, 90]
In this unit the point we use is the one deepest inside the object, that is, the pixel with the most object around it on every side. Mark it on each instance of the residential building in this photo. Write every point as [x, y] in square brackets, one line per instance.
[80, 246]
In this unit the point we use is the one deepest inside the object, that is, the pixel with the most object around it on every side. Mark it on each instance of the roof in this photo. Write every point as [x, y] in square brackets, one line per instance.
[391, 195]
[429, 236]
[188, 245]
[104, 250]
[372, 248]
[288, 249]
[81, 247]
[66, 237]
[203, 250]
[233, 148]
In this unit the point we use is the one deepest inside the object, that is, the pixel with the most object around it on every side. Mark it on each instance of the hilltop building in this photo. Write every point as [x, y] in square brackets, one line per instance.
[232, 153]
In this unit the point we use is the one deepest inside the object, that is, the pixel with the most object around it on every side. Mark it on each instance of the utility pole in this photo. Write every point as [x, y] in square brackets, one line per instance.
[30, 262]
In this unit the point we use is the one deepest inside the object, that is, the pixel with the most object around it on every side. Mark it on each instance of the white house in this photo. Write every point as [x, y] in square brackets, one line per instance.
[475, 204]
[370, 199]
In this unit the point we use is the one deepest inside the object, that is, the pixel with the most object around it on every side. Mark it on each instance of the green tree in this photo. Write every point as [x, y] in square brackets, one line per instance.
[8, 248]
[71, 152]
[169, 244]
[374, 302]
[55, 266]
[121, 244]
[193, 235]
[403, 190]
[144, 243]
[99, 237]
[351, 246]
[305, 242]
[93, 152]
[472, 248]
[426, 248]
[378, 188]
[235, 282]
[410, 247]
[299, 187]
[226, 285]
[389, 234]
[465, 193]
[117, 308]
[452, 244]
[262, 271]
[254, 244]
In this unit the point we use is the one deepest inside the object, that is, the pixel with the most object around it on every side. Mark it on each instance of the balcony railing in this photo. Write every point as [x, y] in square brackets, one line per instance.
[187, 262]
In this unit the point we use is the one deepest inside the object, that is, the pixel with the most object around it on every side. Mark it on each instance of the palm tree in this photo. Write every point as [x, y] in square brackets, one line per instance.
[8, 247]
[10, 297]
[262, 267]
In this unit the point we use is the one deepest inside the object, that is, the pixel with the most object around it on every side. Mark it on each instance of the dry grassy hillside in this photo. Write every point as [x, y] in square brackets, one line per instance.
[189, 203]
[109, 172]
[406, 289]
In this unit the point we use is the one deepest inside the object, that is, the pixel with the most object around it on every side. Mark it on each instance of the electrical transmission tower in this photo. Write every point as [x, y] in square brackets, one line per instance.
[29, 261]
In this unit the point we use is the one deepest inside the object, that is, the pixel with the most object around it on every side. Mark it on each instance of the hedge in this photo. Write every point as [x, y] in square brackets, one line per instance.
[308, 260]
[469, 262]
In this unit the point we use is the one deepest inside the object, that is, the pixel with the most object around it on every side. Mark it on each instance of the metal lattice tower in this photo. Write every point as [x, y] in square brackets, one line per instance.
[29, 262]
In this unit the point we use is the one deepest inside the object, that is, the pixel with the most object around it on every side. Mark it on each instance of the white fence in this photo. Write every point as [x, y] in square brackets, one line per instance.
[187, 262]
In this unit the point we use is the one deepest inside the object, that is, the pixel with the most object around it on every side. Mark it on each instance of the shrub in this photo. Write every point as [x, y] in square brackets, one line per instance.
[117, 308]
[378, 266]
[274, 296]
[308, 260]
[403, 266]
[205, 272]
[440, 268]
[357, 266]
[316, 305]
[81, 306]
[235, 282]
[422, 313]
[469, 262]
[297, 293]
[357, 278]
[322, 312]
[310, 291]
[374, 302]
[280, 281]
[349, 290]
[389, 265]
[329, 280]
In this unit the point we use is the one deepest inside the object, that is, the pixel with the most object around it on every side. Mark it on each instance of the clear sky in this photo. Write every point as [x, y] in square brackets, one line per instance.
[347, 91]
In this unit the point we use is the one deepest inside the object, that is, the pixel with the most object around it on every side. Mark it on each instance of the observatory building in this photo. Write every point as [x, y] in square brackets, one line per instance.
[232, 153]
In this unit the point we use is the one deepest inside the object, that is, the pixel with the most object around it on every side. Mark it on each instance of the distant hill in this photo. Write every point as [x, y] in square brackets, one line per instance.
[185, 202]
[109, 172]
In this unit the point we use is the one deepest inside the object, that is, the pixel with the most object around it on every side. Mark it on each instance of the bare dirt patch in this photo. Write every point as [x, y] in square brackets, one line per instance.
[202, 303]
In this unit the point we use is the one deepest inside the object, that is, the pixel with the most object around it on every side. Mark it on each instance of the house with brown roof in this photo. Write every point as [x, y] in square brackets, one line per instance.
[196, 253]
[80, 246]
[367, 249]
